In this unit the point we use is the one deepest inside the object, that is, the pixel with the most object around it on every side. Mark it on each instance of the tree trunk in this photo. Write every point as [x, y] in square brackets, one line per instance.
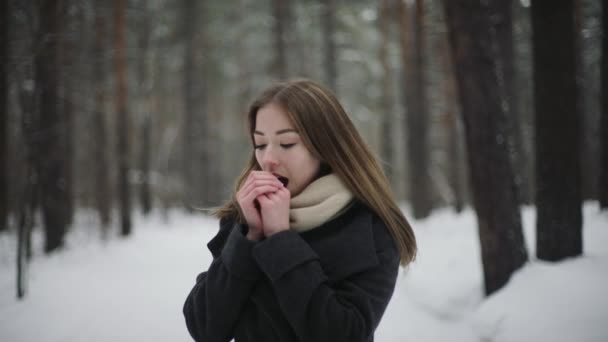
[67, 53]
[51, 147]
[558, 188]
[386, 99]
[4, 49]
[417, 121]
[25, 225]
[102, 183]
[474, 43]
[329, 40]
[29, 103]
[27, 198]
[122, 119]
[145, 110]
[603, 170]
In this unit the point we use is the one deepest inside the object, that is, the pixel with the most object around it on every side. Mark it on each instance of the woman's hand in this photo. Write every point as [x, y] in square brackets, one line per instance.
[275, 211]
[258, 183]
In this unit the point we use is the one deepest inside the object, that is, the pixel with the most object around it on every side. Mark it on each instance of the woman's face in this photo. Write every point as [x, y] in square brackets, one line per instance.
[280, 151]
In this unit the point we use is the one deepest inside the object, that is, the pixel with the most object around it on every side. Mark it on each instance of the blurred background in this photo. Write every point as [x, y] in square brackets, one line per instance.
[130, 107]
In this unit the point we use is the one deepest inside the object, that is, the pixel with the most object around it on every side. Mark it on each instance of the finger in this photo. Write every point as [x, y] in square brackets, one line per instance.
[266, 176]
[252, 191]
[261, 184]
[260, 191]
[261, 172]
[252, 183]
[260, 176]
[284, 193]
[277, 198]
[264, 200]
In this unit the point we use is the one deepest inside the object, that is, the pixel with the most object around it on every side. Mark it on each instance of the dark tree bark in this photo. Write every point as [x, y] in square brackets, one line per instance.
[145, 110]
[26, 205]
[558, 188]
[4, 49]
[122, 119]
[67, 71]
[474, 43]
[417, 122]
[101, 183]
[603, 181]
[329, 40]
[52, 168]
[386, 99]
[26, 223]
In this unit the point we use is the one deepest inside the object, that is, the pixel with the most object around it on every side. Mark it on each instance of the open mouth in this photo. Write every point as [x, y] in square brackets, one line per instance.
[283, 180]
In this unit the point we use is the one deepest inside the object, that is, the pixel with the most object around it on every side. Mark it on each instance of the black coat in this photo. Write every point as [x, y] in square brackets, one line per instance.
[331, 283]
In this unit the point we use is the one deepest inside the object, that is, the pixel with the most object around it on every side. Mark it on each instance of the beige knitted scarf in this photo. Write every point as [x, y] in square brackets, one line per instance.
[320, 201]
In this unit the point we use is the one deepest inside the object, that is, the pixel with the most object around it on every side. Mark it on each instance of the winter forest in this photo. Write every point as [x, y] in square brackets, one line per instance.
[122, 121]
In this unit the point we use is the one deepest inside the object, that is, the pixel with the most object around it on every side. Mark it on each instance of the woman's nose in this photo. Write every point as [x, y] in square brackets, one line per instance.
[270, 160]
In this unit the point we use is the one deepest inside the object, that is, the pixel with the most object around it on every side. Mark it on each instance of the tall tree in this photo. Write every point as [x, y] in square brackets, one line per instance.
[51, 148]
[558, 188]
[122, 118]
[101, 180]
[4, 48]
[386, 98]
[67, 53]
[474, 41]
[417, 122]
[145, 107]
[26, 201]
[603, 172]
[329, 40]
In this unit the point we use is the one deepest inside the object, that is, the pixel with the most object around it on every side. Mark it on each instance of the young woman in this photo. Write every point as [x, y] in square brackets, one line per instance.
[310, 245]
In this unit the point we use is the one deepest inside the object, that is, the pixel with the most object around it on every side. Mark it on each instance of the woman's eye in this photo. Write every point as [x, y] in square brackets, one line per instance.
[287, 145]
[259, 147]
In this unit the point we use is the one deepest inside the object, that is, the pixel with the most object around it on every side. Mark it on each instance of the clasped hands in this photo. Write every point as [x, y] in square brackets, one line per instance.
[272, 214]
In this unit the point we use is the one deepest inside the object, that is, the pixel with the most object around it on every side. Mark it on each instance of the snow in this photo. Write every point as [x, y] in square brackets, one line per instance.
[133, 289]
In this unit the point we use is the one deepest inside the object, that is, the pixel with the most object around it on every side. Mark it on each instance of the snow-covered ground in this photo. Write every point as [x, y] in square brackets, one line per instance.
[133, 289]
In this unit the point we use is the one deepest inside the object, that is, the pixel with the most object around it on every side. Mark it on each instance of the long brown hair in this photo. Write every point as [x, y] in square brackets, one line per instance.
[329, 134]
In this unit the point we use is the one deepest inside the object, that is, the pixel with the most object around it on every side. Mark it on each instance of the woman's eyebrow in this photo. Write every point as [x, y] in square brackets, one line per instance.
[281, 131]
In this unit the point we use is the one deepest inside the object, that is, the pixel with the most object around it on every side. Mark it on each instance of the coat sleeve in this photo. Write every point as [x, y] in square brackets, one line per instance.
[317, 310]
[214, 304]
